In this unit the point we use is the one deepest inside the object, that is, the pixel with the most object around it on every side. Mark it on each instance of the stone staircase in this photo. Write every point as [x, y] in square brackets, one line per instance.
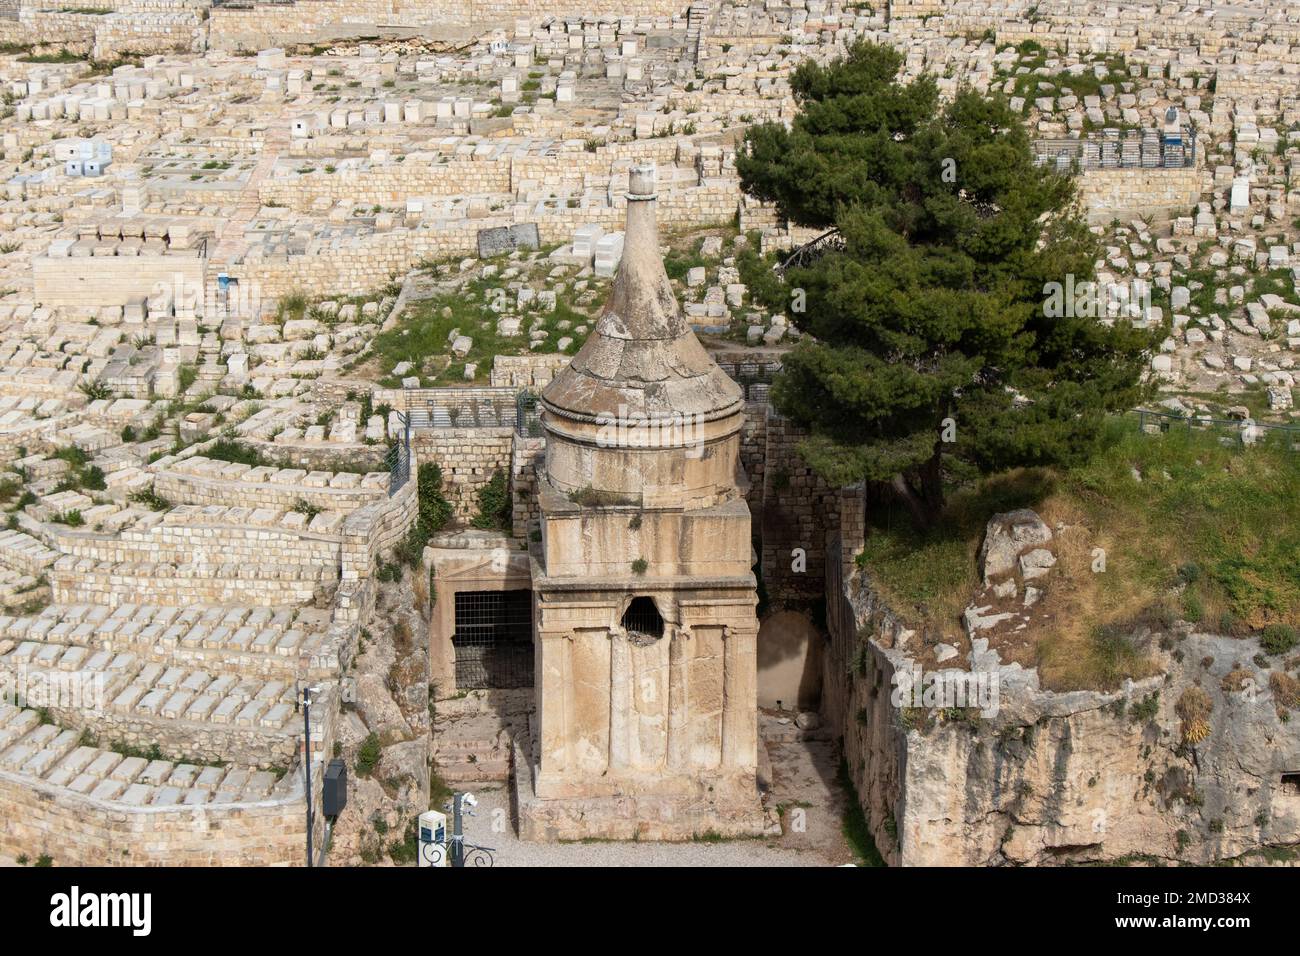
[473, 736]
[697, 19]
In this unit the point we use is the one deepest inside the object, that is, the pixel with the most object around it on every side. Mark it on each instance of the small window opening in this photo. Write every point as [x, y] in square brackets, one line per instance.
[642, 622]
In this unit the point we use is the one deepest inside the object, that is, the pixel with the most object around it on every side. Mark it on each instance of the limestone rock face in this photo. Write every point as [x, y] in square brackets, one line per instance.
[1072, 777]
[1063, 778]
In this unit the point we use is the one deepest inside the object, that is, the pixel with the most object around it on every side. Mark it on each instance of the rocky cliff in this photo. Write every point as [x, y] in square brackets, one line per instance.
[1197, 764]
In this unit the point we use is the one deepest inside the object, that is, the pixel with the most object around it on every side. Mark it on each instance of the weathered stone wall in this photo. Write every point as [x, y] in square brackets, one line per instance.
[533, 371]
[1118, 193]
[797, 509]
[367, 533]
[181, 488]
[83, 581]
[417, 175]
[468, 457]
[1052, 777]
[89, 283]
[230, 29]
[196, 740]
[201, 544]
[78, 830]
[365, 262]
[527, 456]
[145, 34]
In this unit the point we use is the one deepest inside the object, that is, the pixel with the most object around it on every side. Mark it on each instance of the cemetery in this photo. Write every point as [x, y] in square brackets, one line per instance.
[311, 312]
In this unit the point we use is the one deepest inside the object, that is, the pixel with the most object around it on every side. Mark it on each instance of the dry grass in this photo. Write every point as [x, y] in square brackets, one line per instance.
[1208, 535]
[1286, 690]
[1194, 707]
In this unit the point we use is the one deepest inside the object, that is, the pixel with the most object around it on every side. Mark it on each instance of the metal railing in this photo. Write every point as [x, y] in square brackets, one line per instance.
[504, 407]
[528, 422]
[475, 407]
[1150, 422]
[398, 458]
[1113, 149]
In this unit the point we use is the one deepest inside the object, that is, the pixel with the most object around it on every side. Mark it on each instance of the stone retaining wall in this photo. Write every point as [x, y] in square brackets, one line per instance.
[201, 544]
[1120, 193]
[77, 830]
[468, 457]
[199, 490]
[796, 511]
[76, 581]
[367, 262]
[281, 23]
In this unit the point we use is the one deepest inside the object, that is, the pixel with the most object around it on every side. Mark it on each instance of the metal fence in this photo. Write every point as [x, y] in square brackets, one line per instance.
[478, 407]
[398, 458]
[493, 640]
[1150, 422]
[1113, 149]
[754, 378]
[528, 423]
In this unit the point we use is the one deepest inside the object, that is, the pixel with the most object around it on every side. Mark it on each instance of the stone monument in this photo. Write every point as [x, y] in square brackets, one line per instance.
[645, 596]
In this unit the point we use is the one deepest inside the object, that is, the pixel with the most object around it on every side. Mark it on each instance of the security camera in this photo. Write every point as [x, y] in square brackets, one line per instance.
[469, 800]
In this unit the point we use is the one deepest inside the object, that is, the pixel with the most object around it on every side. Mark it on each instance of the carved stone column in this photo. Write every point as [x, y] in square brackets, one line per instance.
[739, 718]
[678, 699]
[620, 699]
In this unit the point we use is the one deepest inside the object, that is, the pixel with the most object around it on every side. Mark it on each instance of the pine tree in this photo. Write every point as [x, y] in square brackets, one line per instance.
[931, 354]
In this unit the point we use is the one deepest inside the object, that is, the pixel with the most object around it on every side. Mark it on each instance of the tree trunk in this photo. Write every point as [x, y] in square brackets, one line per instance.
[931, 475]
[920, 514]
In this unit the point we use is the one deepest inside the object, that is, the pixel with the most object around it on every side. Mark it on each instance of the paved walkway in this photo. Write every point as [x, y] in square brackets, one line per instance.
[804, 786]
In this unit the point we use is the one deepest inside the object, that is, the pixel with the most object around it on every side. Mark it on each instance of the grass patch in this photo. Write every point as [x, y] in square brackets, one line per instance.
[494, 504]
[368, 755]
[1210, 531]
[422, 337]
[854, 824]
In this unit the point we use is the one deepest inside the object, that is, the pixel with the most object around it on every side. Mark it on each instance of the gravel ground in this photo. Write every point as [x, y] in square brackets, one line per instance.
[804, 787]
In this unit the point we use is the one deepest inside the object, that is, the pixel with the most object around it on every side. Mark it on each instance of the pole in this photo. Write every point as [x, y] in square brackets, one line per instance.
[306, 763]
[457, 848]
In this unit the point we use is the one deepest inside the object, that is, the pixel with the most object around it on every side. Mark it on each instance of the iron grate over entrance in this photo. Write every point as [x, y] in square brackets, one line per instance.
[494, 639]
[642, 621]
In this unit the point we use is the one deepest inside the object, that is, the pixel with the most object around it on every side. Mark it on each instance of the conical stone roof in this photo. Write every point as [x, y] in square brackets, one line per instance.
[642, 360]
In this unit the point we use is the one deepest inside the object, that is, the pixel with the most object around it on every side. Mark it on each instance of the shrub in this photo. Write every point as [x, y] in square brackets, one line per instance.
[434, 509]
[494, 504]
[72, 518]
[92, 478]
[304, 507]
[223, 449]
[639, 566]
[95, 390]
[1286, 689]
[1194, 707]
[1145, 709]
[368, 755]
[150, 499]
[1278, 639]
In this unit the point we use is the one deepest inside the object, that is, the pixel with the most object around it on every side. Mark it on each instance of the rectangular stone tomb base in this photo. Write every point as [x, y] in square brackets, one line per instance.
[721, 808]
